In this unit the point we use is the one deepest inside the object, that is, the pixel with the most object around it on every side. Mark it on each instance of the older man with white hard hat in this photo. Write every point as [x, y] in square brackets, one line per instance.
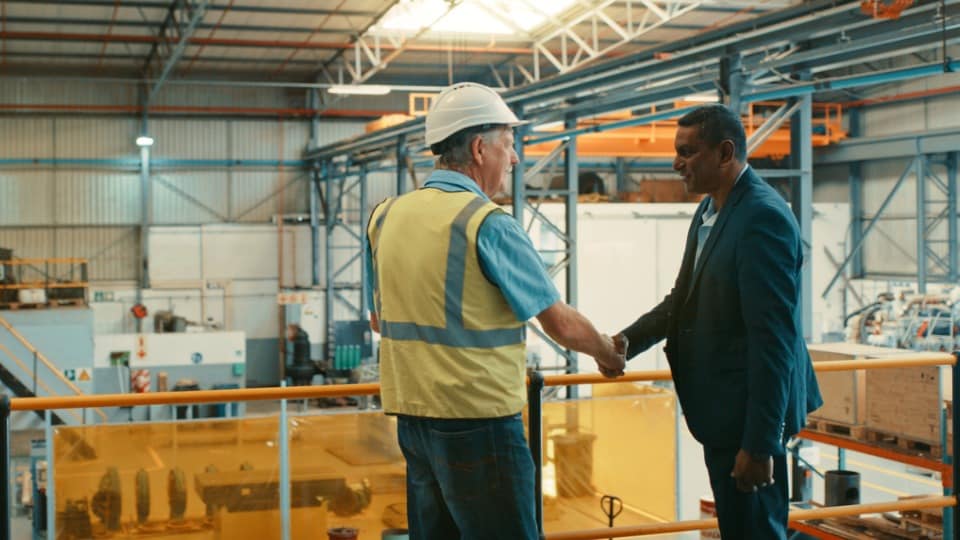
[454, 279]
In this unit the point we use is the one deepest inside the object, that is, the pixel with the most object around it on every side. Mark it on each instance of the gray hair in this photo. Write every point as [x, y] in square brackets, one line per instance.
[456, 152]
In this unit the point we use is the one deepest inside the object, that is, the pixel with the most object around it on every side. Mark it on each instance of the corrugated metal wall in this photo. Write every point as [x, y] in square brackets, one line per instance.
[88, 203]
[891, 248]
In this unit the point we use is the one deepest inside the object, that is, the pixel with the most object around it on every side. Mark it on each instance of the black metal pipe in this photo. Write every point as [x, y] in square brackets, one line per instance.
[535, 439]
[5, 464]
[956, 431]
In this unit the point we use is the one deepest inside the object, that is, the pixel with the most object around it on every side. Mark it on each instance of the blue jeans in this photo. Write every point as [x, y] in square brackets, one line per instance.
[468, 479]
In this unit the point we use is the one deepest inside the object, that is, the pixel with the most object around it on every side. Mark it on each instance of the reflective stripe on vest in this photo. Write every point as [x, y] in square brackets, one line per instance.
[454, 334]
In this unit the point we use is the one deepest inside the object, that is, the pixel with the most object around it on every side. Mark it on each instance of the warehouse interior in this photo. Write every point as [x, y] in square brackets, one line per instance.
[184, 181]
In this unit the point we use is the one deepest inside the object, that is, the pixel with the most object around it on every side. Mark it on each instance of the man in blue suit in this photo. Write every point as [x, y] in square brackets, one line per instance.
[733, 327]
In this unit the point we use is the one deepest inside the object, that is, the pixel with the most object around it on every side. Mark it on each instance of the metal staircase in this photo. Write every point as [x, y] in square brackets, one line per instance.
[41, 379]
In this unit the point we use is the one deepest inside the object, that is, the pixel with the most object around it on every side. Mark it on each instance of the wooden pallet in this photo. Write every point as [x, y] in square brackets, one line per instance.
[68, 302]
[902, 443]
[921, 525]
[20, 305]
[836, 428]
[42, 305]
[860, 528]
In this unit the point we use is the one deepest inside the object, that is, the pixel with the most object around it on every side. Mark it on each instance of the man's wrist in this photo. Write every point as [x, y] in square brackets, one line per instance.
[758, 457]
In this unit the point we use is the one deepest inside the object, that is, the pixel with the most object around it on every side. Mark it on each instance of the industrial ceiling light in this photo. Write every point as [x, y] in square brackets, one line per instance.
[360, 89]
[144, 140]
[709, 97]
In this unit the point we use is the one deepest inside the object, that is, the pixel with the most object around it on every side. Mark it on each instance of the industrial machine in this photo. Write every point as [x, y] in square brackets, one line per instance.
[107, 501]
[143, 496]
[909, 321]
[351, 348]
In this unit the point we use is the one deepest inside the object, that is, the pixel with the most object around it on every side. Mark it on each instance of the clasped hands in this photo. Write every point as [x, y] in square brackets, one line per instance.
[613, 358]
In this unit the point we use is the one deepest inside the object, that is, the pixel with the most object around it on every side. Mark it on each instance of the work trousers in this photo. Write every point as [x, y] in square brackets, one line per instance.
[468, 479]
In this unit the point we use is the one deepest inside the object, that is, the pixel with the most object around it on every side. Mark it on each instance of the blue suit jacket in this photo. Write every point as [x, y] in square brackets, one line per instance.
[733, 327]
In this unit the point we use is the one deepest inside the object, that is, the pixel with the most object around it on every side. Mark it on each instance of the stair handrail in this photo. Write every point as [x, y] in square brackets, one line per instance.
[47, 363]
[23, 365]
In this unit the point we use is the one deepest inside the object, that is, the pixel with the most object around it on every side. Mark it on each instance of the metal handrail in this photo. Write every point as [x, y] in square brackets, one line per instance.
[23, 365]
[335, 390]
[194, 396]
[49, 365]
[795, 515]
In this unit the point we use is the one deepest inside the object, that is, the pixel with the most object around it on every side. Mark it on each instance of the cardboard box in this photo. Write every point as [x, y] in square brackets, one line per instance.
[905, 402]
[844, 392]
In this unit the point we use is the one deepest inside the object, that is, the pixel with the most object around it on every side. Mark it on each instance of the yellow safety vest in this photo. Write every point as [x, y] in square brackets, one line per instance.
[451, 346]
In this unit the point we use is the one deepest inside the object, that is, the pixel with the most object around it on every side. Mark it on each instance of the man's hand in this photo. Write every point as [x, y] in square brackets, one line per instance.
[752, 474]
[621, 344]
[610, 361]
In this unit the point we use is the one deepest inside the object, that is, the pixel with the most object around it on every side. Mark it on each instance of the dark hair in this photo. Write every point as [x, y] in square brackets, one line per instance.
[717, 124]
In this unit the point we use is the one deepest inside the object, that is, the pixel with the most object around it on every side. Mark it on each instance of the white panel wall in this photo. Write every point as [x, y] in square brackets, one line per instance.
[629, 256]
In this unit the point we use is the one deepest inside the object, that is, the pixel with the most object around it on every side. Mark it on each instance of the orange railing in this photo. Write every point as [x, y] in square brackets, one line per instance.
[297, 393]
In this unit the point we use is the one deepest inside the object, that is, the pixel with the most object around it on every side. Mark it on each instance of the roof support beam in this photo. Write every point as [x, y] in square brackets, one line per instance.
[368, 59]
[162, 4]
[564, 47]
[182, 20]
[902, 145]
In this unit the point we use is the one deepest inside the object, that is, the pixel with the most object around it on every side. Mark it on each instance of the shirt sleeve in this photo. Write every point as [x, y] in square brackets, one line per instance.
[509, 260]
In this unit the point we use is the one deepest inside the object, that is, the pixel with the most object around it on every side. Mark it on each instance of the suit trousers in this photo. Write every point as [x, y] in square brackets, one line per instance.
[468, 479]
[761, 515]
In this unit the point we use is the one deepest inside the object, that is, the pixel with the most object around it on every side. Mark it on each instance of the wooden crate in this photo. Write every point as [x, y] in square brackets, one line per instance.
[905, 403]
[844, 392]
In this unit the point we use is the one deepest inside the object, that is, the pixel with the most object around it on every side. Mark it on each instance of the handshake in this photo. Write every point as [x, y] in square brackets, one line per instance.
[613, 355]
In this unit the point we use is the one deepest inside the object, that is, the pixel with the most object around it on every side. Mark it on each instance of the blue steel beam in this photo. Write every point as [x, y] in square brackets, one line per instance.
[401, 165]
[913, 28]
[855, 180]
[196, 10]
[801, 137]
[854, 81]
[797, 21]
[156, 163]
[364, 219]
[866, 231]
[518, 184]
[205, 58]
[142, 23]
[630, 98]
[315, 179]
[953, 253]
[920, 169]
[889, 146]
[570, 227]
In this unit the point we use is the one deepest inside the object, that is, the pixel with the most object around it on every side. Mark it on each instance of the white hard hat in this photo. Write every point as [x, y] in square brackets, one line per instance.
[466, 105]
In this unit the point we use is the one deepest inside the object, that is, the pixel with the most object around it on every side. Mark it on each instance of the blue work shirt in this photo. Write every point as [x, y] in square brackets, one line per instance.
[507, 256]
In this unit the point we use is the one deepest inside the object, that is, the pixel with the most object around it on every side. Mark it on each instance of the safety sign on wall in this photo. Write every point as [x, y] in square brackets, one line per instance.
[78, 374]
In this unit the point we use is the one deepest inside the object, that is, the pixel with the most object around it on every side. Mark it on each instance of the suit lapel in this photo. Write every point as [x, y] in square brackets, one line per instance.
[732, 200]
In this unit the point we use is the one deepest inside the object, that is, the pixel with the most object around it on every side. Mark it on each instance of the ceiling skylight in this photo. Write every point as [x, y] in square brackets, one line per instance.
[482, 17]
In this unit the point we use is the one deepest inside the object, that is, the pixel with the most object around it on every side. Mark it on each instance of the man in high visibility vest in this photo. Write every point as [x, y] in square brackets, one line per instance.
[454, 279]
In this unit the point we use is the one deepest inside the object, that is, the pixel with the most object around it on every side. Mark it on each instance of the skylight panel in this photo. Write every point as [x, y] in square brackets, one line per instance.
[480, 17]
